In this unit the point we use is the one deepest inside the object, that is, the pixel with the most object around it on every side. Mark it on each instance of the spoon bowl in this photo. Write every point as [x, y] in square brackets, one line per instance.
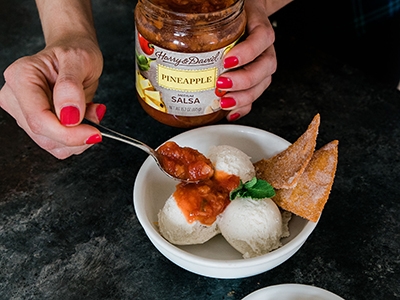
[112, 134]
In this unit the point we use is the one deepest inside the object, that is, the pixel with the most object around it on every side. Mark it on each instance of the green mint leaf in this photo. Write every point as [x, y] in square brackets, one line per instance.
[236, 192]
[254, 188]
[249, 184]
[261, 189]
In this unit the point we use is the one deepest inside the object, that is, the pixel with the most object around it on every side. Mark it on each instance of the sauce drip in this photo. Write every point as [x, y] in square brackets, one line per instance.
[205, 200]
[184, 163]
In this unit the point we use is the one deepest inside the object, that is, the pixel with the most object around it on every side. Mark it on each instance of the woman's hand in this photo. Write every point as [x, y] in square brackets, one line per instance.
[253, 61]
[48, 95]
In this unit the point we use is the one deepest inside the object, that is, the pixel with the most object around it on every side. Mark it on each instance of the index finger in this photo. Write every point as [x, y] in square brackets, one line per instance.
[260, 35]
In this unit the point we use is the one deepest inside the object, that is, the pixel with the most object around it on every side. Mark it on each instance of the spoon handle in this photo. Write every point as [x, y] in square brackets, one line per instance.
[133, 142]
[124, 138]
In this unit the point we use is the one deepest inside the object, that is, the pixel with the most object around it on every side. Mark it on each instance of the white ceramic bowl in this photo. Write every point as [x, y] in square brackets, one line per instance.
[215, 258]
[292, 292]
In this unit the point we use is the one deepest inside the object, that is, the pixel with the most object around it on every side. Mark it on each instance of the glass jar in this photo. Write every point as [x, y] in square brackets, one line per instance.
[180, 46]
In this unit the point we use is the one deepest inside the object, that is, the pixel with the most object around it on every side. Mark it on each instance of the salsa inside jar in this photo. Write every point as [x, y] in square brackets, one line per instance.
[180, 47]
[194, 6]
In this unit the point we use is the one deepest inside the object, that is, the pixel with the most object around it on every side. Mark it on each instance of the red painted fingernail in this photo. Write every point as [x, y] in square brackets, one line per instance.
[220, 93]
[69, 115]
[234, 117]
[231, 62]
[224, 83]
[101, 111]
[94, 139]
[227, 102]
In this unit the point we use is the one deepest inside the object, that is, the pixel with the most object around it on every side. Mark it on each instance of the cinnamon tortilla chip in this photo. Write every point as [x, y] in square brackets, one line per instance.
[283, 170]
[311, 193]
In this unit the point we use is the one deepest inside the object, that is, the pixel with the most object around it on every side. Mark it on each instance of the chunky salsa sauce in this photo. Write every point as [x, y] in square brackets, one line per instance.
[194, 6]
[205, 200]
[189, 26]
[184, 163]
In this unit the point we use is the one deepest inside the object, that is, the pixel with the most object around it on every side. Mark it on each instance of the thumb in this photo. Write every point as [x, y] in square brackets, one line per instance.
[69, 99]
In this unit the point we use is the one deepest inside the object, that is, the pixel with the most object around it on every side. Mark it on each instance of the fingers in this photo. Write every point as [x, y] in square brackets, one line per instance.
[27, 96]
[250, 64]
[45, 129]
[251, 74]
[260, 36]
[76, 84]
[68, 94]
[58, 150]
[240, 103]
[246, 84]
[95, 112]
[70, 106]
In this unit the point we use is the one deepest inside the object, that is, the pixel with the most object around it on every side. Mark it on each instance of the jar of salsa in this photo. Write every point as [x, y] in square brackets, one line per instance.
[180, 46]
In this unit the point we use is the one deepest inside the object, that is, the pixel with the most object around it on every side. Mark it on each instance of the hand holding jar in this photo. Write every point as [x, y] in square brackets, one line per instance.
[251, 63]
[193, 66]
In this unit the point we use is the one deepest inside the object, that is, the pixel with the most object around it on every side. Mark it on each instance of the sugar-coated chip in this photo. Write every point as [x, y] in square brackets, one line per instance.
[283, 170]
[308, 198]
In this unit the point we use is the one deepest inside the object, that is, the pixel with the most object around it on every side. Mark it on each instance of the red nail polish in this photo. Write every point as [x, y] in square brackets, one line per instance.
[101, 111]
[94, 139]
[234, 117]
[69, 115]
[220, 93]
[224, 83]
[231, 62]
[227, 102]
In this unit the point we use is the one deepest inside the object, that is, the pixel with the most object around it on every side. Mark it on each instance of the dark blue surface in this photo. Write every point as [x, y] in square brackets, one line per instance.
[68, 228]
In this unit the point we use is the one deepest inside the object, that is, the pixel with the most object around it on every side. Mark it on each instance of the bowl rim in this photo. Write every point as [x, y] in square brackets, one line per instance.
[292, 289]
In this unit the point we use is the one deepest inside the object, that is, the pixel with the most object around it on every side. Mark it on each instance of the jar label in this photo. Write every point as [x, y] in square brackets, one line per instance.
[178, 83]
[186, 80]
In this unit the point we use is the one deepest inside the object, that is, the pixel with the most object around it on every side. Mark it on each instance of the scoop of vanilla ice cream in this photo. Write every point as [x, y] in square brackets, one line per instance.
[253, 227]
[232, 161]
[172, 222]
[176, 229]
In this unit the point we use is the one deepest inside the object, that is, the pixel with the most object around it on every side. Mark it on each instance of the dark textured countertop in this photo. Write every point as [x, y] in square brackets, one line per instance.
[68, 228]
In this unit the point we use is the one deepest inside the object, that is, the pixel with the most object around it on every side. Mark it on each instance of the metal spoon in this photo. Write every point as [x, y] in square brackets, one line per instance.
[138, 144]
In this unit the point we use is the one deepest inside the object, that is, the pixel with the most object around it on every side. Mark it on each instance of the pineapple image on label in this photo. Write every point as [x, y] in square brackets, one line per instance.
[148, 93]
[213, 107]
